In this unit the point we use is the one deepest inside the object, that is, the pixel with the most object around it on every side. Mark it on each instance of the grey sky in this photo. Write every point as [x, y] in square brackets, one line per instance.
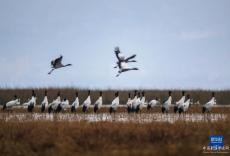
[179, 43]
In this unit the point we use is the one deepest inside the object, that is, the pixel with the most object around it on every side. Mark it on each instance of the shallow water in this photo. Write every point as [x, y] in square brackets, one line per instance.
[118, 117]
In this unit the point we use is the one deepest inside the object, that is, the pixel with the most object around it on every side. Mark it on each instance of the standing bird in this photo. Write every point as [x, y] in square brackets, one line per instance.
[45, 102]
[153, 103]
[180, 102]
[137, 102]
[183, 108]
[31, 103]
[75, 104]
[166, 105]
[53, 106]
[141, 103]
[115, 103]
[129, 104]
[134, 100]
[98, 103]
[86, 103]
[11, 103]
[122, 62]
[208, 106]
[62, 106]
[57, 63]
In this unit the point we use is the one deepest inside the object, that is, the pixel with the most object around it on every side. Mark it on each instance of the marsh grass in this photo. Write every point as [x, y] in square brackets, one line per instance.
[108, 138]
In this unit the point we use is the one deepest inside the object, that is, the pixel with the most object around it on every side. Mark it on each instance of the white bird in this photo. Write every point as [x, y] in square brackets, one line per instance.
[53, 105]
[184, 107]
[122, 62]
[86, 103]
[180, 102]
[98, 103]
[75, 104]
[57, 63]
[31, 102]
[153, 103]
[12, 103]
[129, 104]
[44, 103]
[208, 106]
[136, 102]
[141, 103]
[166, 105]
[63, 105]
[115, 103]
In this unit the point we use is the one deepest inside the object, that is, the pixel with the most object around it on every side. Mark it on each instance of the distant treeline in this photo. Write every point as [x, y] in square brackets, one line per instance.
[223, 96]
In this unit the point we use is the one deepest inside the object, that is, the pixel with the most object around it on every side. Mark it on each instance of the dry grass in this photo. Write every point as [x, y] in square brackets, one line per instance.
[107, 138]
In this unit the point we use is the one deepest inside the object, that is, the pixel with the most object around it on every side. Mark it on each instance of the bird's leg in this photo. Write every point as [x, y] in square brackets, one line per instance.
[51, 71]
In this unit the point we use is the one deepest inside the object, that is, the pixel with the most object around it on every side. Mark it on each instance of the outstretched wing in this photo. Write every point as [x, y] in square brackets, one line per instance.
[56, 61]
[129, 58]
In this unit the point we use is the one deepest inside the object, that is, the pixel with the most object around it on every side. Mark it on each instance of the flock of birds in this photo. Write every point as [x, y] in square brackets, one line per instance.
[122, 62]
[135, 104]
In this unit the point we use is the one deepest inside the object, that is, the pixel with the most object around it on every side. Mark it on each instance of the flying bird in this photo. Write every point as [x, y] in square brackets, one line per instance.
[57, 63]
[122, 62]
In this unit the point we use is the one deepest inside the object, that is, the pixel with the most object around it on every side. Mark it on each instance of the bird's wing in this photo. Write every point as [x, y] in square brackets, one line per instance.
[130, 57]
[57, 62]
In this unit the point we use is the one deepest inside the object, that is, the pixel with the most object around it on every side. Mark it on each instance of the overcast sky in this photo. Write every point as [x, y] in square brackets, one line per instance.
[179, 43]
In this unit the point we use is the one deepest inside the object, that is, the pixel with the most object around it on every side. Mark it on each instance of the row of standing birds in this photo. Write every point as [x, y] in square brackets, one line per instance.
[121, 64]
[135, 104]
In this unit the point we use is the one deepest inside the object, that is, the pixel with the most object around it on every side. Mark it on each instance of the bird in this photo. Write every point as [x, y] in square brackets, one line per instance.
[45, 102]
[53, 105]
[57, 63]
[180, 102]
[86, 103]
[134, 101]
[122, 62]
[182, 108]
[62, 106]
[75, 104]
[167, 103]
[129, 104]
[137, 102]
[12, 103]
[208, 106]
[153, 103]
[31, 102]
[98, 103]
[115, 103]
[141, 103]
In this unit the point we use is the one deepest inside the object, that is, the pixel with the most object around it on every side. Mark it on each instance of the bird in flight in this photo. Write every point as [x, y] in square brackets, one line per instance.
[57, 63]
[122, 62]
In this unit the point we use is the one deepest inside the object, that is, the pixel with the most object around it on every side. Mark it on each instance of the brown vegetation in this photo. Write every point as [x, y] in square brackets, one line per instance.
[108, 138]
